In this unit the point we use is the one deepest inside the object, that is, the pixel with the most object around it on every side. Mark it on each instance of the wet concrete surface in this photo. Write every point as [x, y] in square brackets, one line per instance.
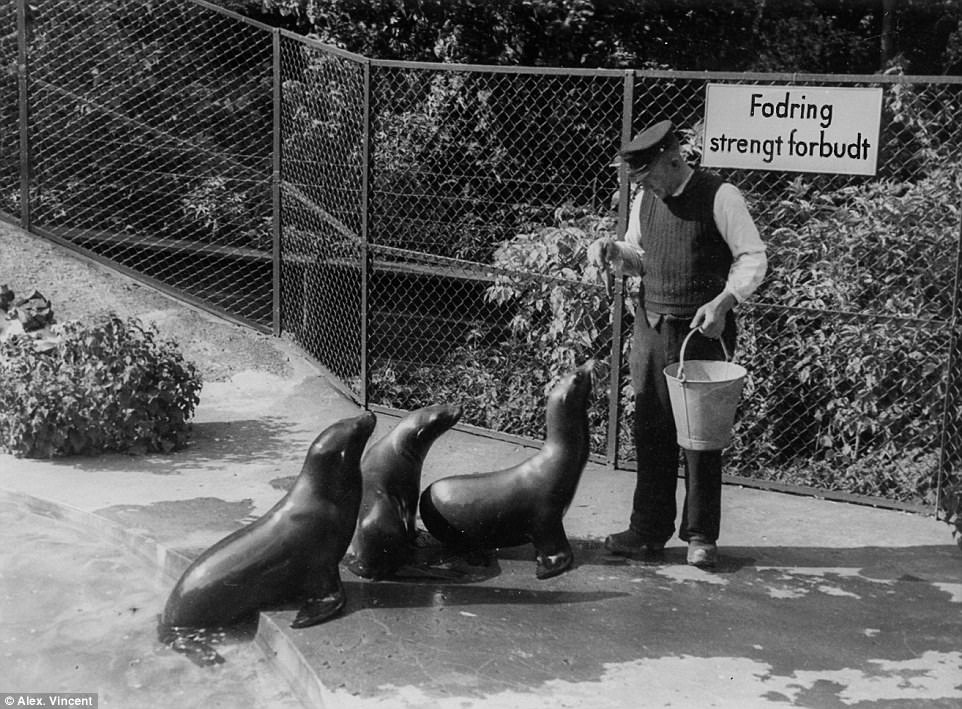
[814, 603]
[800, 627]
[80, 625]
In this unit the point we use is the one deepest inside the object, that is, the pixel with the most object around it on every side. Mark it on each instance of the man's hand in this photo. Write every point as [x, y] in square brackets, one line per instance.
[710, 318]
[605, 255]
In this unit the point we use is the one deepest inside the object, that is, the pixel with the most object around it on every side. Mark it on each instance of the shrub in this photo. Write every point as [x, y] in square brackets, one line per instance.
[846, 344]
[503, 371]
[849, 370]
[556, 313]
[109, 386]
[496, 386]
[562, 315]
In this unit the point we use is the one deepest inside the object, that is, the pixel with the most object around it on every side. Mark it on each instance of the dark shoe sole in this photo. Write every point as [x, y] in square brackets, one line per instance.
[642, 549]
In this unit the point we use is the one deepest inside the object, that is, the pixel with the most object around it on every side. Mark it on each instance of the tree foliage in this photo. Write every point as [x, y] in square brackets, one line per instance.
[855, 402]
[861, 36]
[835, 400]
[174, 92]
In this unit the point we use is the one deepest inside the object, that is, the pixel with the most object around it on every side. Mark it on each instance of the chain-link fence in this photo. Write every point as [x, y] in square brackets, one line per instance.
[150, 144]
[323, 151]
[849, 344]
[10, 103]
[465, 161]
[421, 229]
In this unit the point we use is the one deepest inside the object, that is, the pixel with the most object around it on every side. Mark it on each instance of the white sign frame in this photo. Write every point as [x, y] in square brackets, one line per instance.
[792, 128]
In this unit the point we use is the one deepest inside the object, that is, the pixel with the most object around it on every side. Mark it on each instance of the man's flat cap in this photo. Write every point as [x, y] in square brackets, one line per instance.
[648, 145]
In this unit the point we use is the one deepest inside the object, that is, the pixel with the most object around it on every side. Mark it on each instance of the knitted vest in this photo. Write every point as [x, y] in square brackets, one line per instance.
[686, 258]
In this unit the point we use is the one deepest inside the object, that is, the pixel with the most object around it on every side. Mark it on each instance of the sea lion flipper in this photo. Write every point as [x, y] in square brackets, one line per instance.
[553, 551]
[318, 609]
[553, 564]
[324, 598]
[194, 643]
[356, 566]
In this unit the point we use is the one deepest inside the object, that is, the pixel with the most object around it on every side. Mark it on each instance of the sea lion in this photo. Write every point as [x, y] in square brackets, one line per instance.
[391, 471]
[290, 553]
[524, 503]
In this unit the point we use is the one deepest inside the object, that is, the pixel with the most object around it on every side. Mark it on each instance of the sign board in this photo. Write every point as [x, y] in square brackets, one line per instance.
[792, 128]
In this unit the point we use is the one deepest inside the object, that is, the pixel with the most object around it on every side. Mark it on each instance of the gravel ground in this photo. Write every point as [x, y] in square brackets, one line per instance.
[80, 289]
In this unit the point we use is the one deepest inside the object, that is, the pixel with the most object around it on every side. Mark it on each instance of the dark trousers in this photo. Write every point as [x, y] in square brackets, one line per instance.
[657, 343]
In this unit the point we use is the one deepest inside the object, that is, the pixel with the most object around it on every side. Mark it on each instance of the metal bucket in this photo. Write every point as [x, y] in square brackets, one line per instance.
[704, 396]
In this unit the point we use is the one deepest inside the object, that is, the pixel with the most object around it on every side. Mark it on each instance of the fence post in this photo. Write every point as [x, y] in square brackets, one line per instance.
[949, 371]
[618, 304]
[365, 227]
[276, 186]
[26, 163]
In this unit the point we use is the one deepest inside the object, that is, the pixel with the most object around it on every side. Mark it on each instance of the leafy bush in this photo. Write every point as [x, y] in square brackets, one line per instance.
[846, 344]
[560, 318]
[496, 386]
[565, 320]
[561, 312]
[848, 369]
[221, 210]
[109, 386]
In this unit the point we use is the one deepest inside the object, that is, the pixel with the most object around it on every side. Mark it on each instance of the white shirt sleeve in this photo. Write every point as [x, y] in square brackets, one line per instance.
[749, 261]
[631, 252]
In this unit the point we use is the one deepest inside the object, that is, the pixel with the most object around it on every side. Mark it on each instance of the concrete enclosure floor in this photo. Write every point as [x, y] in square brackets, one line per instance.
[814, 603]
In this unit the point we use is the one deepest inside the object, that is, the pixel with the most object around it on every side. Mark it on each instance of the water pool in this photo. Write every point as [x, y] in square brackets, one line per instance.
[78, 614]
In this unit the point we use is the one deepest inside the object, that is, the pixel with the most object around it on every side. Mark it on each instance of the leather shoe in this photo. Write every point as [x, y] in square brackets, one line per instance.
[630, 542]
[704, 555]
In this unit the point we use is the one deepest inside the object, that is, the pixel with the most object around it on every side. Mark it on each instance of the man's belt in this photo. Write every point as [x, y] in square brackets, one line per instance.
[655, 317]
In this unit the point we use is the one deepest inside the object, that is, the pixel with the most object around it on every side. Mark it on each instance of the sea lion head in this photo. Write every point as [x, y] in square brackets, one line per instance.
[432, 421]
[338, 447]
[567, 405]
[412, 437]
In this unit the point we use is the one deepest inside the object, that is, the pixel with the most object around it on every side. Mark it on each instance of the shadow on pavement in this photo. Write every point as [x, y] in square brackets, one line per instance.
[213, 446]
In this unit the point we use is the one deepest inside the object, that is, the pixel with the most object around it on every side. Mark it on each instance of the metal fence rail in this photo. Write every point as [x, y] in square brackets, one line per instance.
[420, 229]
[150, 144]
[323, 154]
[11, 105]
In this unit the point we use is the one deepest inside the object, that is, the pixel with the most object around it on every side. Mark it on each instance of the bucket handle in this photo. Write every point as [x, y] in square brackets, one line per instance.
[681, 356]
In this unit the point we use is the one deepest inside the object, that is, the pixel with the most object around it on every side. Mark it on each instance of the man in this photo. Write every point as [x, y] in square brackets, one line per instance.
[691, 239]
